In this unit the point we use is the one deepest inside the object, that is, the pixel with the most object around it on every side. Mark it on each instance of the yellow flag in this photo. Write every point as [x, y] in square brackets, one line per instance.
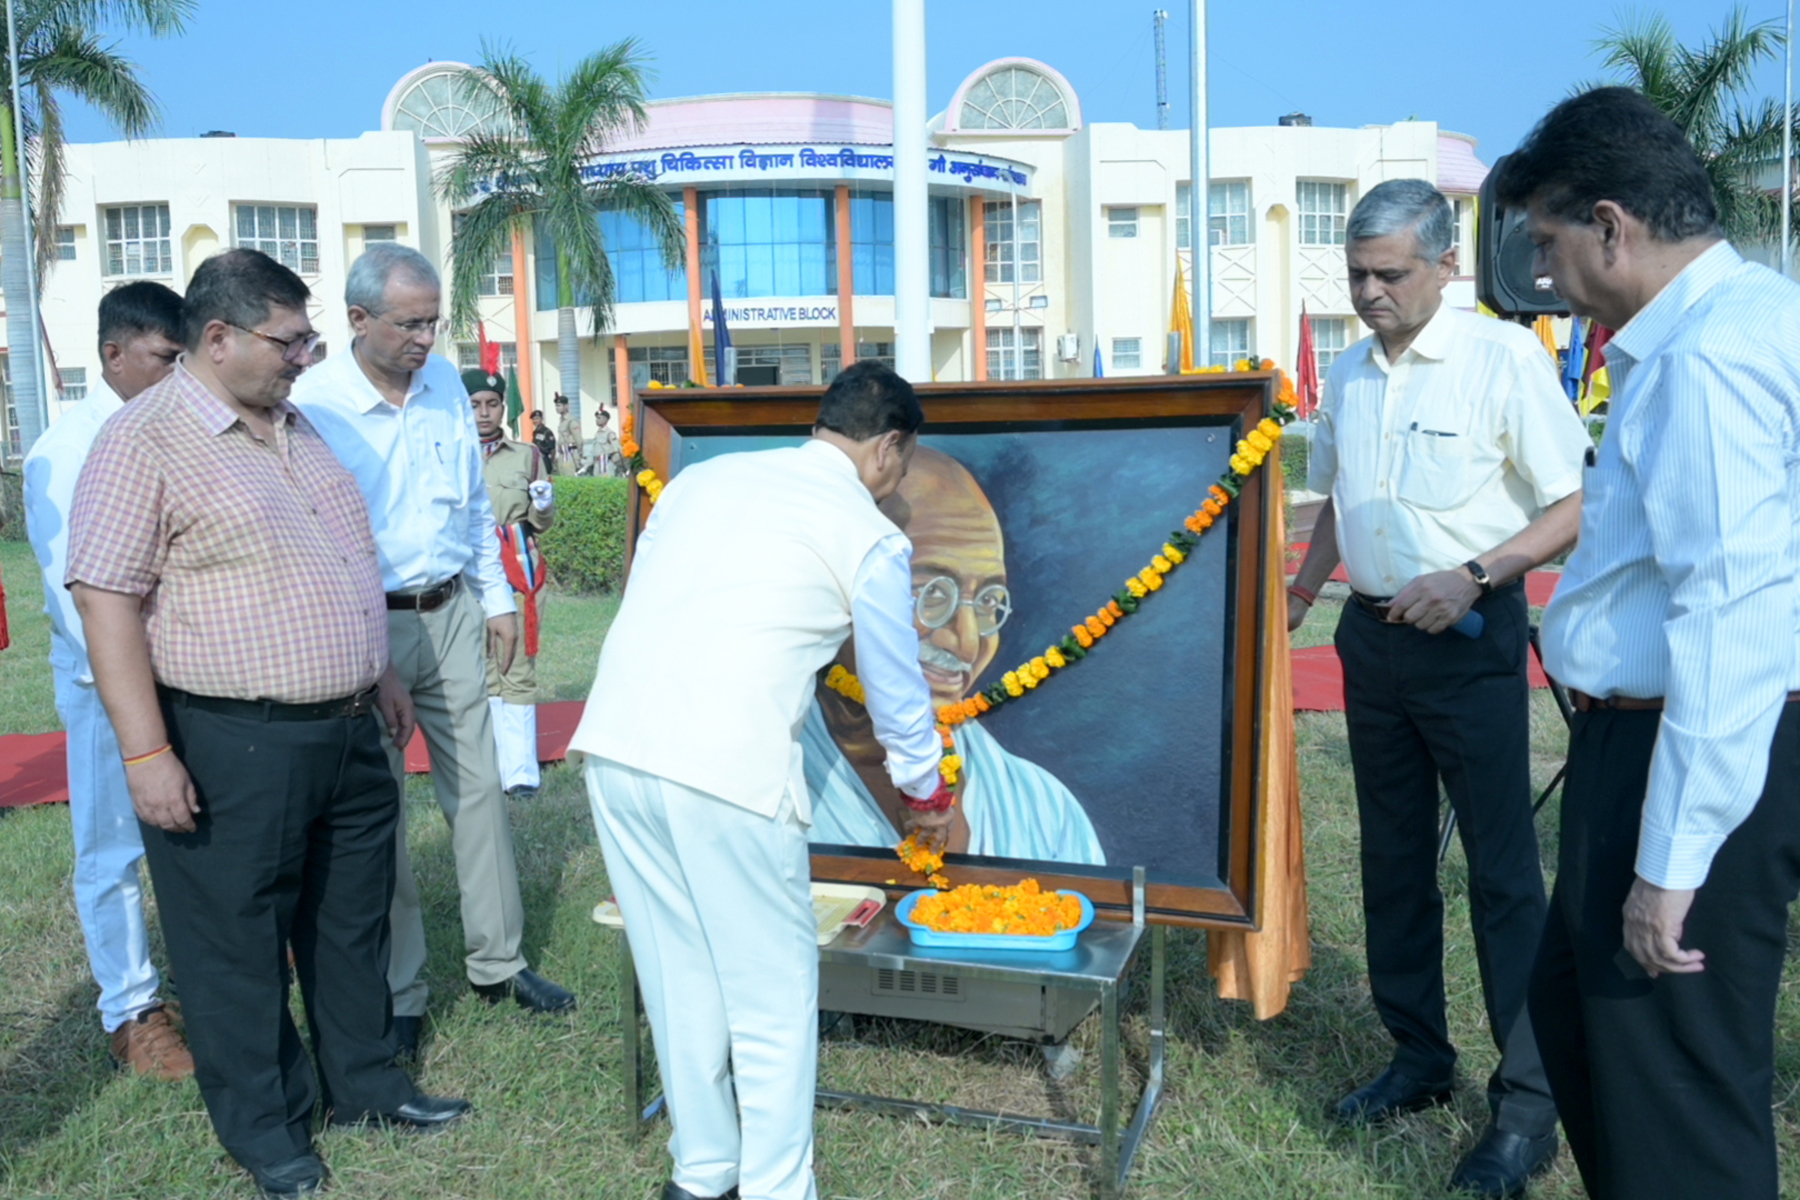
[1598, 390]
[1181, 320]
[1546, 332]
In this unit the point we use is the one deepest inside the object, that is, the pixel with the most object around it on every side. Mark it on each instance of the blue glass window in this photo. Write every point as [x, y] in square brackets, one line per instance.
[768, 242]
[872, 242]
[638, 272]
[949, 248]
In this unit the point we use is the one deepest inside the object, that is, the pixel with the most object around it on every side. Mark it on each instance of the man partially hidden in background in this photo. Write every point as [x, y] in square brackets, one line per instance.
[140, 339]
[1008, 806]
[518, 487]
[1453, 461]
[748, 578]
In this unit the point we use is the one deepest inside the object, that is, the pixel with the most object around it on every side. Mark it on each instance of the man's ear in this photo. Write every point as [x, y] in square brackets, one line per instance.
[1609, 223]
[111, 355]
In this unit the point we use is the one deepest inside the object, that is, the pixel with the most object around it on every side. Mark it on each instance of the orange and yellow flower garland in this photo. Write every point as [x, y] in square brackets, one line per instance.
[634, 457]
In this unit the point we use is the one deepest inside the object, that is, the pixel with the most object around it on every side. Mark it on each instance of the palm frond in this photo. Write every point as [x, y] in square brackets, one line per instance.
[51, 175]
[157, 18]
[74, 62]
[1642, 49]
[482, 233]
[651, 207]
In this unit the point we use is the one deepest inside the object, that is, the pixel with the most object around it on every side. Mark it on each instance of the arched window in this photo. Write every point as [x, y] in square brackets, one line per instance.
[438, 105]
[1014, 98]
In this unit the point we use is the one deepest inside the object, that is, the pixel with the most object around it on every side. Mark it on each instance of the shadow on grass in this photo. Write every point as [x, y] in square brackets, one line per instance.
[50, 1077]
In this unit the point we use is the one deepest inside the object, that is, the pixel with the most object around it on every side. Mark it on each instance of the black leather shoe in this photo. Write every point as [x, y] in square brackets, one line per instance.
[674, 1191]
[1501, 1163]
[406, 1036]
[531, 990]
[1392, 1093]
[302, 1175]
[421, 1112]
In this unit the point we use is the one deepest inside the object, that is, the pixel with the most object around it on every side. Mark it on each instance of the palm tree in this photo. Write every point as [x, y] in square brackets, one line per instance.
[59, 55]
[1702, 90]
[523, 170]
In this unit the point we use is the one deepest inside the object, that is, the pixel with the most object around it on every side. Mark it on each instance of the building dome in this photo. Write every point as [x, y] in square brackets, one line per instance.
[432, 102]
[1014, 96]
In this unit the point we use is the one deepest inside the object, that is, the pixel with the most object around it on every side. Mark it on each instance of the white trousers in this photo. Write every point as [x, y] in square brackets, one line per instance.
[108, 845]
[718, 909]
[516, 742]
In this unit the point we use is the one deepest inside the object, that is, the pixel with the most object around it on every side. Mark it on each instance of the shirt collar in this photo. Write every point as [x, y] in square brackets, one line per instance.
[215, 415]
[1433, 341]
[838, 460]
[368, 396]
[1657, 321]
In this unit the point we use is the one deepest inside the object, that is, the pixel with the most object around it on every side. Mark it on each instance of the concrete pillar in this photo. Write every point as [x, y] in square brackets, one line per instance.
[912, 225]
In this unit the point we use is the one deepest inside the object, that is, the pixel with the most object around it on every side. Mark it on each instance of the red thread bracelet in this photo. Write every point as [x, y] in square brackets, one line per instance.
[939, 801]
[1306, 594]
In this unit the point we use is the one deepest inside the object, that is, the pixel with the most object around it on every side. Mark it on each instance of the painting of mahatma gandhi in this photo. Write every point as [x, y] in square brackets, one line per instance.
[1118, 761]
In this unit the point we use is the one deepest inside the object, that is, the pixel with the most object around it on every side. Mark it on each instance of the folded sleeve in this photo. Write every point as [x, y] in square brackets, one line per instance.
[887, 663]
[118, 532]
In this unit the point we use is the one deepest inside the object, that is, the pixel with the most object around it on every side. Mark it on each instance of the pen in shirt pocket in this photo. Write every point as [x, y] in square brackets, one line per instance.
[1431, 432]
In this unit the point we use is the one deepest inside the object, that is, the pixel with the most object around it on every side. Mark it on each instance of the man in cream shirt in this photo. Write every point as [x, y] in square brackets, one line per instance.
[748, 578]
[1453, 462]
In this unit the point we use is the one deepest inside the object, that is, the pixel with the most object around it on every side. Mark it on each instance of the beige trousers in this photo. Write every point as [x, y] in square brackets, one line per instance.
[441, 658]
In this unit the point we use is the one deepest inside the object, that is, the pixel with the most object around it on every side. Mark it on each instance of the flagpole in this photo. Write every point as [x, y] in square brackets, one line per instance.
[1787, 149]
[1199, 191]
[912, 235]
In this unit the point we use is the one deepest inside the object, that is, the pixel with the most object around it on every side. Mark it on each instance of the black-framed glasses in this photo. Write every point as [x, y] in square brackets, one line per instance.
[431, 325]
[301, 344]
[935, 604]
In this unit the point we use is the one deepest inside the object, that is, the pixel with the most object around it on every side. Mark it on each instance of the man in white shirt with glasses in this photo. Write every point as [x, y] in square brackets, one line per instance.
[399, 418]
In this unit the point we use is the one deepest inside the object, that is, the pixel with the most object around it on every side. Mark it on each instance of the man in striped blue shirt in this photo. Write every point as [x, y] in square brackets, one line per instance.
[1675, 628]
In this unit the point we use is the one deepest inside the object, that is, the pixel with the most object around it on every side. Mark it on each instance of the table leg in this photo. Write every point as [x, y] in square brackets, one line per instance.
[1109, 1092]
[631, 1012]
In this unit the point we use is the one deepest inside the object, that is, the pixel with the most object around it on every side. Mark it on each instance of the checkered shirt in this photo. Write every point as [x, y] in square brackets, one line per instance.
[254, 559]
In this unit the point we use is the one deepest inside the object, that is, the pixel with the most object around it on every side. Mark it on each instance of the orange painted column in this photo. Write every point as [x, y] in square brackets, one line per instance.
[690, 205]
[978, 286]
[621, 374]
[846, 281]
[523, 343]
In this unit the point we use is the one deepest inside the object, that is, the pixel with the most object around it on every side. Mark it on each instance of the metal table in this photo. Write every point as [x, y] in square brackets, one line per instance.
[1097, 964]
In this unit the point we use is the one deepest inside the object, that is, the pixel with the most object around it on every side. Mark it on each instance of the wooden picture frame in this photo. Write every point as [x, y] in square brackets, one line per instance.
[1231, 404]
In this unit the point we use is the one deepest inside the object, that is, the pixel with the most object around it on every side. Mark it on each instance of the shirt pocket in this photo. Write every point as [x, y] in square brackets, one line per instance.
[1439, 472]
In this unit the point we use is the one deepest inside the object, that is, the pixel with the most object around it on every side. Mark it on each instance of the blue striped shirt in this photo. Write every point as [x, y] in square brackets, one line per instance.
[1683, 584]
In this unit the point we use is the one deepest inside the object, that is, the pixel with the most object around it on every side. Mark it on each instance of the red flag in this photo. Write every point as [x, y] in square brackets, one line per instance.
[490, 351]
[1596, 353]
[1307, 383]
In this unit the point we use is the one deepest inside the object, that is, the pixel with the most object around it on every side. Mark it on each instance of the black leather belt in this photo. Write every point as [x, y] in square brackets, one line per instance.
[429, 600]
[1586, 703]
[1376, 606]
[269, 710]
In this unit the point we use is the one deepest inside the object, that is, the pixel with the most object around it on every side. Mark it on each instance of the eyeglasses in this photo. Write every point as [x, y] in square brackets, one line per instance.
[936, 603]
[431, 325]
[301, 344]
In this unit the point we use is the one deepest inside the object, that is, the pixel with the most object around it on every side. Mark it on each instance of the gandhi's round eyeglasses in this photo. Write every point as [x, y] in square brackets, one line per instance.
[936, 602]
[298, 348]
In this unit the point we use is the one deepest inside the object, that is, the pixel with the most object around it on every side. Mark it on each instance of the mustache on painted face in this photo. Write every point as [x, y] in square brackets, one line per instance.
[936, 656]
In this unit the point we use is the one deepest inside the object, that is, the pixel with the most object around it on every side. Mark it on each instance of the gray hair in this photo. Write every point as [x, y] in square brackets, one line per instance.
[366, 287]
[1399, 205]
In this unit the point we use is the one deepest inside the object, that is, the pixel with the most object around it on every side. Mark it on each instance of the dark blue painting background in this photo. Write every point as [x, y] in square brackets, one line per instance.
[1137, 730]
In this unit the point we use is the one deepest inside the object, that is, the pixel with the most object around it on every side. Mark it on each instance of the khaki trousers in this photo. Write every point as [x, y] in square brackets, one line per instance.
[441, 658]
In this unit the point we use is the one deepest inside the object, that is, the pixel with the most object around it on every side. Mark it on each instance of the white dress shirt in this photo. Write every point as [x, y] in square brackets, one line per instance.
[1440, 456]
[419, 467]
[51, 469]
[1683, 585]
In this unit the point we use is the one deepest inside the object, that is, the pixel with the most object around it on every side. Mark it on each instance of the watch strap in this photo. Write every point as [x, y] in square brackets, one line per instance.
[1479, 574]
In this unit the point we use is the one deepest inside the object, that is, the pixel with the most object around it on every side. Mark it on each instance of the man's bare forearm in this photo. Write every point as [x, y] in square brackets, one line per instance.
[120, 656]
[1321, 552]
[1554, 531]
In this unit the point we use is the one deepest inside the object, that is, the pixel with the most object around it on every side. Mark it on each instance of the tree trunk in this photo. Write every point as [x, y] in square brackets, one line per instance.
[15, 282]
[568, 360]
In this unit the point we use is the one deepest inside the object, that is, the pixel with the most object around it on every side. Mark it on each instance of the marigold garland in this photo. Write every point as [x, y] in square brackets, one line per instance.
[923, 861]
[1023, 910]
[646, 477]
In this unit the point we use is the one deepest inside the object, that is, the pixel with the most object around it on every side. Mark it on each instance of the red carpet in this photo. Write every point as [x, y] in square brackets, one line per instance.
[32, 769]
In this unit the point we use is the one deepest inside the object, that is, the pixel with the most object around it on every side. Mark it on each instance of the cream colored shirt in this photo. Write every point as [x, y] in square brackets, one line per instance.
[1440, 456]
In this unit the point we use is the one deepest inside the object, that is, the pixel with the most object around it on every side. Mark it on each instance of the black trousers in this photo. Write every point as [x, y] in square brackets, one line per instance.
[1420, 707]
[1664, 1085]
[295, 844]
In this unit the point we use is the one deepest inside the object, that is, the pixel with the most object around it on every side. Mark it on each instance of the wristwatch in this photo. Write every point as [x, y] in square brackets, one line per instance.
[1479, 574]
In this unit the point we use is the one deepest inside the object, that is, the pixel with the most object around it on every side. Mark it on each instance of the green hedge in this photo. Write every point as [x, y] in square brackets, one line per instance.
[585, 549]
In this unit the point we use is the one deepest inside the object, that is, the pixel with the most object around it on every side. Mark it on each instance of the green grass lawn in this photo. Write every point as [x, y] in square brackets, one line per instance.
[1243, 1115]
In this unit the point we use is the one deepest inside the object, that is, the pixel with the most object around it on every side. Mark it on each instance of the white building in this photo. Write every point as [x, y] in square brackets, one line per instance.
[1050, 238]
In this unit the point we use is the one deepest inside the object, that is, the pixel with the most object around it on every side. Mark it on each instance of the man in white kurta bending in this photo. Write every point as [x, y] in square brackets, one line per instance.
[749, 576]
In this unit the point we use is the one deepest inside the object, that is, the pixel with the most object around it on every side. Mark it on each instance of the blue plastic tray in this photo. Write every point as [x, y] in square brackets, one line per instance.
[921, 936]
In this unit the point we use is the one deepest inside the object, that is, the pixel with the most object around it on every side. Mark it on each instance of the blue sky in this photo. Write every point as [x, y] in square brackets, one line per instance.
[323, 69]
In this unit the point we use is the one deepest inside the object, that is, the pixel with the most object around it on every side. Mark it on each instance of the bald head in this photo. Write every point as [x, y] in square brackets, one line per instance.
[956, 538]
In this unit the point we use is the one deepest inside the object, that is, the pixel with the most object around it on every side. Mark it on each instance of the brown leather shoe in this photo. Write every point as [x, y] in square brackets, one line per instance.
[151, 1044]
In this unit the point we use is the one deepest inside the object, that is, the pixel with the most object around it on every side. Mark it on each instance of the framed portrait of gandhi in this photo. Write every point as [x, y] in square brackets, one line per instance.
[1028, 505]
